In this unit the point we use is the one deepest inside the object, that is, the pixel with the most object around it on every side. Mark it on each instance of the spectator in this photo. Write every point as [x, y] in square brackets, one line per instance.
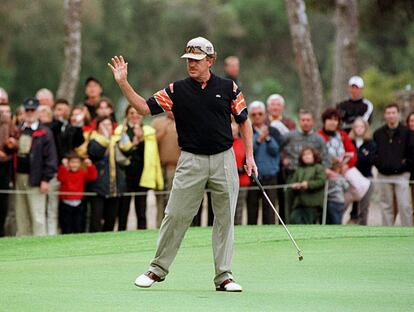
[45, 97]
[308, 188]
[336, 193]
[410, 125]
[266, 154]
[66, 139]
[110, 183]
[393, 159]
[232, 69]
[93, 93]
[169, 153]
[144, 171]
[338, 143]
[365, 146]
[356, 105]
[19, 117]
[293, 142]
[244, 179]
[79, 118]
[8, 146]
[36, 165]
[72, 178]
[45, 115]
[68, 136]
[104, 108]
[275, 107]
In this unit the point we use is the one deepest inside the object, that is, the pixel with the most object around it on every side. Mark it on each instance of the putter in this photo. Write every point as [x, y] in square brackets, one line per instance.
[278, 216]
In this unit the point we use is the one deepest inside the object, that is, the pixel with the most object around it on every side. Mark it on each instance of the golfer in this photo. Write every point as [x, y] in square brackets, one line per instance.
[202, 105]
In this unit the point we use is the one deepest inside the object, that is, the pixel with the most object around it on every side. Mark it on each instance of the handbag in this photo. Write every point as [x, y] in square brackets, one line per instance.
[359, 184]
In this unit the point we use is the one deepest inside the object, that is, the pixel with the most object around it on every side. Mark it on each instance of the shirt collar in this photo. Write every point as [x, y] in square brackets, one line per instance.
[33, 126]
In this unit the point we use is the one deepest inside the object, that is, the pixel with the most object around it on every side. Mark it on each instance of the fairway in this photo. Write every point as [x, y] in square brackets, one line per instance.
[345, 268]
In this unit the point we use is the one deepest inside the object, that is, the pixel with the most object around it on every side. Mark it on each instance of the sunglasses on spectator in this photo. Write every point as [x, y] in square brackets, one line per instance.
[256, 114]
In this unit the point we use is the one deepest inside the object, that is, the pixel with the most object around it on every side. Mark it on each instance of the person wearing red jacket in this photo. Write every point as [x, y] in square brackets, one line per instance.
[73, 178]
[338, 143]
[244, 179]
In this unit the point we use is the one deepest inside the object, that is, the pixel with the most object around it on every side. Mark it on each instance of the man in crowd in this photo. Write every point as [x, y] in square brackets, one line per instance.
[393, 158]
[293, 143]
[45, 97]
[36, 165]
[169, 153]
[356, 105]
[202, 105]
[232, 68]
[266, 154]
[275, 107]
[93, 93]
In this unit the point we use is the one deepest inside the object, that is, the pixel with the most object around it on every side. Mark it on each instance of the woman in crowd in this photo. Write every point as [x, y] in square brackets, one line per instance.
[365, 146]
[143, 171]
[106, 149]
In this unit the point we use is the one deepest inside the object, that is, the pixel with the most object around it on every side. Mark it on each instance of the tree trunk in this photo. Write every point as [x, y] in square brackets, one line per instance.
[345, 57]
[310, 79]
[71, 70]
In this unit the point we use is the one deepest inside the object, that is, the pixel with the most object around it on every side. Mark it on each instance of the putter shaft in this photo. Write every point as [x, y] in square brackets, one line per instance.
[278, 216]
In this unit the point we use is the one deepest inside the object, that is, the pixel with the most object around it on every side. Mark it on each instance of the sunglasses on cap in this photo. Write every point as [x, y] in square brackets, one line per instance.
[194, 50]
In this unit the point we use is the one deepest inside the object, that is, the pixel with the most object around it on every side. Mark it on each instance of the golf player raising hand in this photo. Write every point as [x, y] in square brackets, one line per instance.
[202, 105]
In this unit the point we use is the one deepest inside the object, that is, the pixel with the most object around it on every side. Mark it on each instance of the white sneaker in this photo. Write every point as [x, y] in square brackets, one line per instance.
[147, 279]
[230, 286]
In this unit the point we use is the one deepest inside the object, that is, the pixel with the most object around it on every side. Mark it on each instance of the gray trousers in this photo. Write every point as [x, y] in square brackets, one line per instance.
[193, 174]
[398, 185]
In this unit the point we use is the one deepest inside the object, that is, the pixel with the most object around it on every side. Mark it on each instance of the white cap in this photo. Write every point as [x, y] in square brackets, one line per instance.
[198, 48]
[356, 81]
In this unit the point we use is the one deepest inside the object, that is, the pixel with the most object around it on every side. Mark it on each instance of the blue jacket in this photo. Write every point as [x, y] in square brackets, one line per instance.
[266, 154]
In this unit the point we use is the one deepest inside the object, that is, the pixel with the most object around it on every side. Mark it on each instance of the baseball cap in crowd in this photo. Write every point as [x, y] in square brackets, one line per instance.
[198, 48]
[356, 81]
[89, 79]
[30, 104]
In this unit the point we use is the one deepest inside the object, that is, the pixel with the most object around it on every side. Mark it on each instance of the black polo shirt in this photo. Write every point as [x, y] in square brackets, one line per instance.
[202, 115]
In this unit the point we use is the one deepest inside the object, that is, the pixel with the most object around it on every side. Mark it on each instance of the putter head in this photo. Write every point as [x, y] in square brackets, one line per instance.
[300, 255]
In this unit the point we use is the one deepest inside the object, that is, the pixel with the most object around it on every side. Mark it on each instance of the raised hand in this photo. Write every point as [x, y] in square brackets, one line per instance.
[119, 68]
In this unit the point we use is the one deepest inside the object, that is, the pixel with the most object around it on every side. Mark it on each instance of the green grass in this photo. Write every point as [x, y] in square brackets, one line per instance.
[345, 268]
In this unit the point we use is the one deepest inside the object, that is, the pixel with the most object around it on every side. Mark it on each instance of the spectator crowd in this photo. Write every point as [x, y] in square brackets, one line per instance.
[52, 152]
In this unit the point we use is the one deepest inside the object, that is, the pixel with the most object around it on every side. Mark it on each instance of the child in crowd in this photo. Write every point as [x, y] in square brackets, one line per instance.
[336, 191]
[308, 188]
[73, 178]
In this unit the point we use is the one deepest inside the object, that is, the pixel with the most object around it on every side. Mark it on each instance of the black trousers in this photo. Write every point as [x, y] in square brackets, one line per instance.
[140, 206]
[5, 178]
[70, 218]
[253, 199]
[103, 209]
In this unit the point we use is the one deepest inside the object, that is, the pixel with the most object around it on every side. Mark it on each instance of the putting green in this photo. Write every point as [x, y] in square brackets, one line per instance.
[345, 268]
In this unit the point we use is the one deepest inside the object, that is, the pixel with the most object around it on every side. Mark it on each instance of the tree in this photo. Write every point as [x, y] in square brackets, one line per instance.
[70, 75]
[309, 75]
[345, 51]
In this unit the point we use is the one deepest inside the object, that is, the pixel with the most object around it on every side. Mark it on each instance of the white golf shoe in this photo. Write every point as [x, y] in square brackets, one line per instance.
[147, 279]
[230, 286]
